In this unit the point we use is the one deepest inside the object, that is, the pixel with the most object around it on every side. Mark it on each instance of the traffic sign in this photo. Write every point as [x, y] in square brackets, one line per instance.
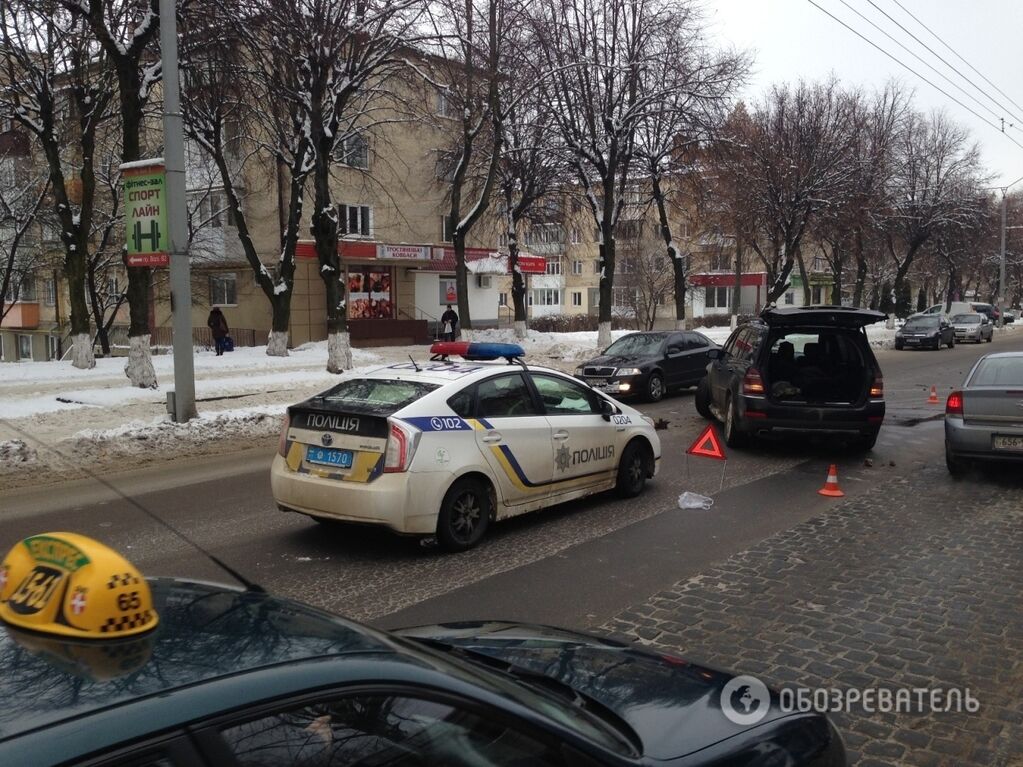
[145, 213]
[707, 445]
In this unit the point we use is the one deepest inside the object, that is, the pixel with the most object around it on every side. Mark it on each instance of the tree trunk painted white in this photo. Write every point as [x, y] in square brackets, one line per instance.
[890, 322]
[81, 352]
[465, 334]
[604, 335]
[520, 330]
[733, 323]
[680, 324]
[139, 367]
[277, 344]
[339, 352]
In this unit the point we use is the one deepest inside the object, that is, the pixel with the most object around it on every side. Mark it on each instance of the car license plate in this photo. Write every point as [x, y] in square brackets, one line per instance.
[597, 381]
[329, 456]
[912, 340]
[1005, 442]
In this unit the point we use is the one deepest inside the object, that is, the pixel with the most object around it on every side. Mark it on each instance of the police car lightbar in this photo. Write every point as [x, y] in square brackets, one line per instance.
[476, 352]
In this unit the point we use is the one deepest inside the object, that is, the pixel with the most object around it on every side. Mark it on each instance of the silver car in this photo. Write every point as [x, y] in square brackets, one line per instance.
[972, 327]
[984, 420]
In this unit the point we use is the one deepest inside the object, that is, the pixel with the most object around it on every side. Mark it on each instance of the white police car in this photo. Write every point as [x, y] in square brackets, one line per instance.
[443, 448]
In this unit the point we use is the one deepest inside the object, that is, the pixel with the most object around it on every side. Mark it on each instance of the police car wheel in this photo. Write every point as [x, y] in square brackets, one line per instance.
[632, 471]
[464, 515]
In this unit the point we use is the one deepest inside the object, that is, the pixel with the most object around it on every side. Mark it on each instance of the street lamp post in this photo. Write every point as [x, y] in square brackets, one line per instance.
[1001, 270]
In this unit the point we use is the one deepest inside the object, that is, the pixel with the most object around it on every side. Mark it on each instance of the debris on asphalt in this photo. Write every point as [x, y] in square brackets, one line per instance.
[694, 501]
[660, 424]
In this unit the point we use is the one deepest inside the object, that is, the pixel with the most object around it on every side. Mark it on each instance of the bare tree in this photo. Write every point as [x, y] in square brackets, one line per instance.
[698, 83]
[104, 266]
[935, 169]
[792, 158]
[642, 278]
[472, 38]
[594, 53]
[58, 87]
[242, 106]
[345, 53]
[22, 192]
[127, 31]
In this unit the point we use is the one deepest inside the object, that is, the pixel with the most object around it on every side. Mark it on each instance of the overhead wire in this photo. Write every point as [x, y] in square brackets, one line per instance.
[914, 72]
[937, 55]
[953, 50]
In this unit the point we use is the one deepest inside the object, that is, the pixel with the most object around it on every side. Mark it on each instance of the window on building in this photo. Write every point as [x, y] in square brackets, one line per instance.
[624, 266]
[223, 289]
[817, 294]
[545, 297]
[718, 298]
[447, 229]
[577, 267]
[446, 106]
[577, 298]
[721, 262]
[630, 229]
[24, 347]
[596, 266]
[53, 347]
[355, 220]
[502, 299]
[113, 289]
[790, 297]
[355, 151]
[502, 240]
[553, 266]
[623, 296]
[575, 235]
[51, 292]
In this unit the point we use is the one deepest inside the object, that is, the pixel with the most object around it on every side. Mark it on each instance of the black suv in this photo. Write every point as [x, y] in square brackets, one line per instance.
[799, 369]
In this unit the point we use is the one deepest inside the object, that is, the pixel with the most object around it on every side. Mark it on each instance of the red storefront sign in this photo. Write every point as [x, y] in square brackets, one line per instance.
[532, 265]
[727, 280]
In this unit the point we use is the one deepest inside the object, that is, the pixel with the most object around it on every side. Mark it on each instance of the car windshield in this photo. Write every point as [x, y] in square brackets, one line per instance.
[967, 319]
[916, 323]
[999, 371]
[375, 396]
[639, 343]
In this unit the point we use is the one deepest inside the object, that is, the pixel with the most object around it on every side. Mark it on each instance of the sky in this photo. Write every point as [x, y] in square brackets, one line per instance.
[793, 39]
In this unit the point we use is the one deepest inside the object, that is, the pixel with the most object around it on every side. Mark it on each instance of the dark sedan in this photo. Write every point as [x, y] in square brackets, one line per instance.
[231, 677]
[649, 364]
[924, 331]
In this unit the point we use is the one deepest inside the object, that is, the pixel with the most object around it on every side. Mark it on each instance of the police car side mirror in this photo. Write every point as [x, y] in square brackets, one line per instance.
[606, 410]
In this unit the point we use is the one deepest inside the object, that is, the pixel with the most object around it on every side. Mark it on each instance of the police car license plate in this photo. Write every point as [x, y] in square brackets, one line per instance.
[329, 456]
[1005, 442]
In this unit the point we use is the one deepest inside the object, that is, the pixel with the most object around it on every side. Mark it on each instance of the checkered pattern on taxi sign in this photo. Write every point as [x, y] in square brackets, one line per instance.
[113, 625]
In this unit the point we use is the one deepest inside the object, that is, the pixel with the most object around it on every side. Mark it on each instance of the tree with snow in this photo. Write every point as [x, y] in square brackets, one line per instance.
[23, 189]
[128, 32]
[59, 88]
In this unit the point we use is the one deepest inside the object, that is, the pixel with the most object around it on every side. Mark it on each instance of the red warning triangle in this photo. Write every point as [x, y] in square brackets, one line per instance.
[707, 445]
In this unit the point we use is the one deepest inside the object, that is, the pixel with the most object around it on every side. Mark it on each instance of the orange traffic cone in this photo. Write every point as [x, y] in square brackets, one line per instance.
[933, 399]
[831, 488]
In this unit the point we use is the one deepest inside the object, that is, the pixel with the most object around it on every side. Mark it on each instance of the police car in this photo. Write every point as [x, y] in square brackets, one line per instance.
[100, 666]
[445, 447]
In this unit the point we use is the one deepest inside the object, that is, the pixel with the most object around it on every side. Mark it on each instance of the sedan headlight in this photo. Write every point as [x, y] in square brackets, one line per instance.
[628, 371]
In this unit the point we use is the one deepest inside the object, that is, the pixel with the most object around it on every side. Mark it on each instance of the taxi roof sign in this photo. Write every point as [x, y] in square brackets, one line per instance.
[73, 586]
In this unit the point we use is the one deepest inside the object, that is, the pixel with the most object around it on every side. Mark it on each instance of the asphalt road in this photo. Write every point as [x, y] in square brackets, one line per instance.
[574, 565]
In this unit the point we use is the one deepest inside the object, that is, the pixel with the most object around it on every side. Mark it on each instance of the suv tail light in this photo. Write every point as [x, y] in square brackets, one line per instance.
[401, 446]
[954, 404]
[752, 383]
[877, 388]
[282, 443]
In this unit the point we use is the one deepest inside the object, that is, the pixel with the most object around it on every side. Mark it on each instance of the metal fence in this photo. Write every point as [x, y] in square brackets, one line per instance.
[201, 337]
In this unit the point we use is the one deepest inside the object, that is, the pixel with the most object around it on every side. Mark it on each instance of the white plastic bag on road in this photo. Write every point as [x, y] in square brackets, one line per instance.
[694, 501]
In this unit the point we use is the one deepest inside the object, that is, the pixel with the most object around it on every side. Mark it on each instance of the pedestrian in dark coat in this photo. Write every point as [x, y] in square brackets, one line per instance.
[449, 320]
[217, 323]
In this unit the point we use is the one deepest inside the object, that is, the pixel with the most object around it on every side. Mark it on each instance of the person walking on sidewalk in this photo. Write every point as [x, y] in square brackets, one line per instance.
[217, 323]
[450, 322]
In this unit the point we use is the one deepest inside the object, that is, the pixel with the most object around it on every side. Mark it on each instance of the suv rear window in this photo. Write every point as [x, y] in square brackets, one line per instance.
[375, 396]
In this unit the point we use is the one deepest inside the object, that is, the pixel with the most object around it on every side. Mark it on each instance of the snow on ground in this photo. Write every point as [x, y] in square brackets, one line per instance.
[57, 421]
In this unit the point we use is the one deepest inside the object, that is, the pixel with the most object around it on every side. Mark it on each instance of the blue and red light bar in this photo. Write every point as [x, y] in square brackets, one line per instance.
[477, 352]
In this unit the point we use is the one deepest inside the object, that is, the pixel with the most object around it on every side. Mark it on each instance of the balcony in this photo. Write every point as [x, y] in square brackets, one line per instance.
[24, 315]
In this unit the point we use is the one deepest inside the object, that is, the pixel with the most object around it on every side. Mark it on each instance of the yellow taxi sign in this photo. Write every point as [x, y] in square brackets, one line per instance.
[73, 586]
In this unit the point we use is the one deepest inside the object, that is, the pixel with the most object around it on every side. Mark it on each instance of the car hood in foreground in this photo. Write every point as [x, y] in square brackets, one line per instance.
[673, 706]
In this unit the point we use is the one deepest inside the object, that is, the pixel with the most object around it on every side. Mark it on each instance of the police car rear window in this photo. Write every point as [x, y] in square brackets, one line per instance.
[375, 396]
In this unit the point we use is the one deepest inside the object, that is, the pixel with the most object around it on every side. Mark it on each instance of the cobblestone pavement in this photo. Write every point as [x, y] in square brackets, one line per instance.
[916, 584]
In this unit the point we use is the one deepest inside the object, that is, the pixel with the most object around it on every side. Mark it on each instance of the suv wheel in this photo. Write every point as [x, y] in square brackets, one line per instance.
[702, 398]
[733, 437]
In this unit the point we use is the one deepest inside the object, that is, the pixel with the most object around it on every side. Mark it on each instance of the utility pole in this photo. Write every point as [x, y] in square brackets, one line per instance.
[180, 277]
[1001, 270]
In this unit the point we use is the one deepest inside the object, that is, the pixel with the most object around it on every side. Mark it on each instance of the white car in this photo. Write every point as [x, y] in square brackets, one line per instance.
[444, 448]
